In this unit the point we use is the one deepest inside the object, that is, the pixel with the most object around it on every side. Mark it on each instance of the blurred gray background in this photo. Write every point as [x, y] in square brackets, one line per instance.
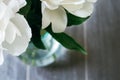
[100, 35]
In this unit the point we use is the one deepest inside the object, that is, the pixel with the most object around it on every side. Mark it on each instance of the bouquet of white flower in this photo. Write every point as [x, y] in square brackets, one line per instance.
[23, 21]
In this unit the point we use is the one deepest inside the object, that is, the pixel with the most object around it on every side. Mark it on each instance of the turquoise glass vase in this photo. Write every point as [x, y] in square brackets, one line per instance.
[39, 57]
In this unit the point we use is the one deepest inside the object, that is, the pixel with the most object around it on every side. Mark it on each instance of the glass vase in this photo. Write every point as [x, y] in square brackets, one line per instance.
[39, 57]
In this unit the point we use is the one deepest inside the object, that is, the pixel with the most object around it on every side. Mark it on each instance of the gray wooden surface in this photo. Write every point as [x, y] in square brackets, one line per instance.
[101, 37]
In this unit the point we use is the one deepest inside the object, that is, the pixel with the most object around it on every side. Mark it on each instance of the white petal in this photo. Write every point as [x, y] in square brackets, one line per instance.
[85, 11]
[11, 32]
[2, 36]
[2, 9]
[45, 18]
[72, 7]
[52, 4]
[91, 0]
[15, 5]
[21, 42]
[22, 25]
[5, 17]
[3, 23]
[22, 3]
[58, 18]
[1, 57]
[1, 0]
[72, 2]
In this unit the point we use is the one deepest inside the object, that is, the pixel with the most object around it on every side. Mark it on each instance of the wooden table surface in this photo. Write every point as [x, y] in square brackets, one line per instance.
[100, 35]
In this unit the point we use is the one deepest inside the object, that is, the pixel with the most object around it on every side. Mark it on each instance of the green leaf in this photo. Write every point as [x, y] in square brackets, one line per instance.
[66, 41]
[74, 20]
[34, 19]
[33, 15]
[24, 11]
[36, 37]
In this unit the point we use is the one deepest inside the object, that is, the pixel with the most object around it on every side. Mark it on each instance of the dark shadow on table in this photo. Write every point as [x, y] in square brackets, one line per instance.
[69, 59]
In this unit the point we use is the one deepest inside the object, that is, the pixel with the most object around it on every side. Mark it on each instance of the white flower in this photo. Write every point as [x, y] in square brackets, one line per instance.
[53, 12]
[15, 33]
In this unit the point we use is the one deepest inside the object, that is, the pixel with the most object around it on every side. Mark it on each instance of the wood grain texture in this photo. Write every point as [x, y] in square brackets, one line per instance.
[12, 69]
[101, 37]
